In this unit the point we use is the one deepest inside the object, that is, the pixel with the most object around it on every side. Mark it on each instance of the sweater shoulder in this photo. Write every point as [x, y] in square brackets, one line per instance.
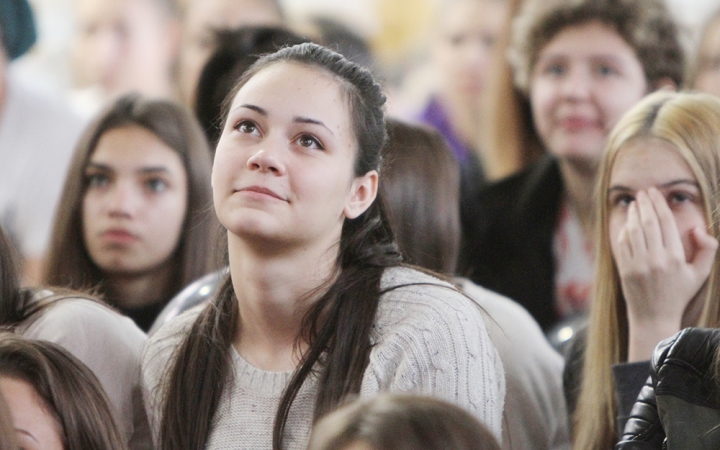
[416, 299]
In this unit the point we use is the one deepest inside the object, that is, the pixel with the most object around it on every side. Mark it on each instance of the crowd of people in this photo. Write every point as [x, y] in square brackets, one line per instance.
[235, 245]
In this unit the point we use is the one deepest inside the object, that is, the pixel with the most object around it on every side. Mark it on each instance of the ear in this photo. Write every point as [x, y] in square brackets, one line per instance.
[362, 193]
[664, 84]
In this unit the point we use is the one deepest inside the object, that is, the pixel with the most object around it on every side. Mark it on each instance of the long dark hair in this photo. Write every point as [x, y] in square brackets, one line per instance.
[421, 182]
[69, 264]
[337, 326]
[67, 388]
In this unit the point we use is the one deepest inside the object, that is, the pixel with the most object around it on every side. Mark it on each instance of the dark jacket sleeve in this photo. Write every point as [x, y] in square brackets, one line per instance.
[683, 377]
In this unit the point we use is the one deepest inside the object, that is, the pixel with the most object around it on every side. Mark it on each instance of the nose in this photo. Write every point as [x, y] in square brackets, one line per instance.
[121, 200]
[266, 160]
[577, 84]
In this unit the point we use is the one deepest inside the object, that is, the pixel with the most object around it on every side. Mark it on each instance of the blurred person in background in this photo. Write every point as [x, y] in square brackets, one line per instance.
[581, 64]
[202, 19]
[466, 34]
[704, 74]
[55, 401]
[135, 219]
[108, 343]
[507, 135]
[123, 46]
[37, 137]
[421, 185]
[401, 422]
[236, 50]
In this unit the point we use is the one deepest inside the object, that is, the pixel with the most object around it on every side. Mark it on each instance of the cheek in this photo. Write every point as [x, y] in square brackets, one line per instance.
[541, 103]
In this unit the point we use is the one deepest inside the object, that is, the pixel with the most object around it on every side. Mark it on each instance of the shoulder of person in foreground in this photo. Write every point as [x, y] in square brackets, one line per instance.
[431, 339]
[105, 341]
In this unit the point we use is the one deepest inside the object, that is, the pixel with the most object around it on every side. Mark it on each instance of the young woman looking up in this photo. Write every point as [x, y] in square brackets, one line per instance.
[656, 241]
[581, 64]
[317, 305]
[134, 220]
[73, 320]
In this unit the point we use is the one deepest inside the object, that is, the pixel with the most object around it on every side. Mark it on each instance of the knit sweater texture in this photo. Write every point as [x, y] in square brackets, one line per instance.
[427, 339]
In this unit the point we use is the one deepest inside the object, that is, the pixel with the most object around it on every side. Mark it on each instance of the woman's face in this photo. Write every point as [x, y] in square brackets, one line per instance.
[708, 77]
[126, 45]
[649, 162]
[35, 427]
[283, 168]
[468, 30]
[135, 201]
[584, 80]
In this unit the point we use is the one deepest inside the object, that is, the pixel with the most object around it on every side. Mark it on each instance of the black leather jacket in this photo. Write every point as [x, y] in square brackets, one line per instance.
[679, 407]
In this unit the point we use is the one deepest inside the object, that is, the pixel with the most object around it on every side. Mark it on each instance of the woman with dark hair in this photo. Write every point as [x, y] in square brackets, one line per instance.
[106, 342]
[134, 220]
[317, 305]
[401, 422]
[55, 400]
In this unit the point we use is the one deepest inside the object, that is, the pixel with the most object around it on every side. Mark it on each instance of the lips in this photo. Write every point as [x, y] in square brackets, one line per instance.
[577, 123]
[118, 236]
[260, 192]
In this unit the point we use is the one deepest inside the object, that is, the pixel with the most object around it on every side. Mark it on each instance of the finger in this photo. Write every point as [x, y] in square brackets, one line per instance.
[650, 224]
[635, 233]
[706, 246]
[668, 227]
[623, 250]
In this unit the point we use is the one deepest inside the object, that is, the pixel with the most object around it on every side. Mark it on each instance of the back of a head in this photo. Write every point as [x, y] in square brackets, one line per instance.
[236, 50]
[401, 422]
[421, 182]
[646, 25]
[67, 388]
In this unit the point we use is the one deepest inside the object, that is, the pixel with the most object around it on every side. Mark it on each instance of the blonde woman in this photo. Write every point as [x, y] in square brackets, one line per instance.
[656, 242]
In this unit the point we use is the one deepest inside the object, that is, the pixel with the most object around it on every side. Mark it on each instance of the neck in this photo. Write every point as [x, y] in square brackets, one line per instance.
[579, 182]
[274, 291]
[131, 291]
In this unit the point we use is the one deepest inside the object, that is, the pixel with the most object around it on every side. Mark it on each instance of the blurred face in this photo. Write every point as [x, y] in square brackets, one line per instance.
[708, 77]
[124, 45]
[467, 36]
[584, 80]
[204, 16]
[283, 168]
[645, 163]
[135, 202]
[35, 427]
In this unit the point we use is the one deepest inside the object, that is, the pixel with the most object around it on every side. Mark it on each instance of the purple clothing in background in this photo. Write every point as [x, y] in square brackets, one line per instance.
[434, 114]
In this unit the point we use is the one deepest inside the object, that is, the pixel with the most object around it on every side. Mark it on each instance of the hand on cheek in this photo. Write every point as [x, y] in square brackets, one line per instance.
[658, 282]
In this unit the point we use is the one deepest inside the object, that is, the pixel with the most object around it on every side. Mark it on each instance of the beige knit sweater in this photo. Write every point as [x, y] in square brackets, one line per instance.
[427, 339]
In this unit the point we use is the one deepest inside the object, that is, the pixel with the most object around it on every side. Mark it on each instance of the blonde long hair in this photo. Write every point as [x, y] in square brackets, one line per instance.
[690, 122]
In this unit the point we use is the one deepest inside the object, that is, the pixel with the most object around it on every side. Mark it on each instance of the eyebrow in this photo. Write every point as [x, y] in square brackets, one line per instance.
[662, 186]
[144, 170]
[296, 119]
